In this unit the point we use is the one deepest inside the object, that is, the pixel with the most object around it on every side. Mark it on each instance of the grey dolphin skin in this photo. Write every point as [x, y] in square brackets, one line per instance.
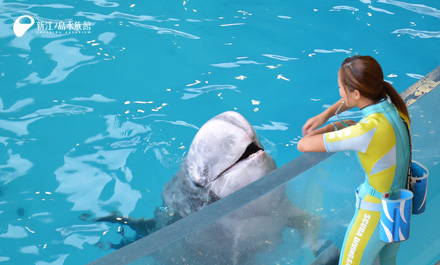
[226, 155]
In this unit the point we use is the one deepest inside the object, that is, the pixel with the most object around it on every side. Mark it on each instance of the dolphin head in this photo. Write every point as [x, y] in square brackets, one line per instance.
[226, 155]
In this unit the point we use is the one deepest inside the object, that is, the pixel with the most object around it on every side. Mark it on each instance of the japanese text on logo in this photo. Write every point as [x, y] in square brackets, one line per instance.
[64, 27]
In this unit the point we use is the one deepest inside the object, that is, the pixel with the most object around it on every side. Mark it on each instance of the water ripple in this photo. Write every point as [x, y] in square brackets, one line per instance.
[179, 123]
[418, 33]
[415, 76]
[345, 8]
[15, 168]
[166, 30]
[59, 109]
[117, 130]
[30, 250]
[17, 6]
[113, 15]
[421, 9]
[122, 144]
[381, 10]
[332, 51]
[16, 106]
[276, 126]
[84, 179]
[4, 140]
[14, 232]
[24, 42]
[67, 231]
[279, 57]
[234, 64]
[68, 58]
[195, 92]
[60, 259]
[17, 127]
[106, 37]
[79, 240]
[20, 127]
[104, 3]
[95, 98]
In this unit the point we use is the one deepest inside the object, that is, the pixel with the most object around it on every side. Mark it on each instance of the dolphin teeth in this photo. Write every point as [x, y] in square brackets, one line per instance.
[250, 151]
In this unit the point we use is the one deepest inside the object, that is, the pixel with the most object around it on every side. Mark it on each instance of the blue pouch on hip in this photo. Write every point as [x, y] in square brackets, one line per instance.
[418, 184]
[395, 216]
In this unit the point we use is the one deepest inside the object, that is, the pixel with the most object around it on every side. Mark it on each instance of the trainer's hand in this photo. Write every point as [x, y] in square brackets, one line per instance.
[341, 126]
[350, 122]
[313, 123]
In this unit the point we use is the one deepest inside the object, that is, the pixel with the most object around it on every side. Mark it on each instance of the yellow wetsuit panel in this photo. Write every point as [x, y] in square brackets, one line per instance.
[374, 139]
[363, 227]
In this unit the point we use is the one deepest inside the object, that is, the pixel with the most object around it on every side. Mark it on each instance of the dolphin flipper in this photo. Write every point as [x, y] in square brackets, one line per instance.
[328, 256]
[306, 223]
[141, 226]
[308, 226]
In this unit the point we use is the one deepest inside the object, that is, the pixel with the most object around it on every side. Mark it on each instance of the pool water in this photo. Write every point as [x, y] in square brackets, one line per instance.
[95, 122]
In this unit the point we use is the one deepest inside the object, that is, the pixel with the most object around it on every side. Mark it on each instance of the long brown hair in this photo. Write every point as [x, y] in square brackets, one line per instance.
[364, 73]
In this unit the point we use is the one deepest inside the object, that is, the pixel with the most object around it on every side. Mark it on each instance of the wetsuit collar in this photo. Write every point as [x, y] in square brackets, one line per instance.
[383, 106]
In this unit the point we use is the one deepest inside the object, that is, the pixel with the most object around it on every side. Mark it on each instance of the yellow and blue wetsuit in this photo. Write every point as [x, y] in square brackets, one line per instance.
[382, 143]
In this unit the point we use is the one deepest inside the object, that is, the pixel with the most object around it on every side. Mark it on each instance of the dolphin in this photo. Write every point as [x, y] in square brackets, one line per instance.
[225, 156]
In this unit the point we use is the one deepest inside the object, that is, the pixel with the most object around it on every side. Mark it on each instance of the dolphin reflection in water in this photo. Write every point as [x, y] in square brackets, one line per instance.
[226, 155]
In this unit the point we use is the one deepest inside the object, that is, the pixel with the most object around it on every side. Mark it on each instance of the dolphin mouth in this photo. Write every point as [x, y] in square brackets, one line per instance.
[252, 150]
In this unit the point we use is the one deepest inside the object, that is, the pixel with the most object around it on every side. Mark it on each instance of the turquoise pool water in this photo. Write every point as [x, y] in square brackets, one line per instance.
[98, 121]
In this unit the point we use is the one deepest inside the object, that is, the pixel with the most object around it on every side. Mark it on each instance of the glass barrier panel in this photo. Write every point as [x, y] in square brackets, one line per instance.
[290, 225]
